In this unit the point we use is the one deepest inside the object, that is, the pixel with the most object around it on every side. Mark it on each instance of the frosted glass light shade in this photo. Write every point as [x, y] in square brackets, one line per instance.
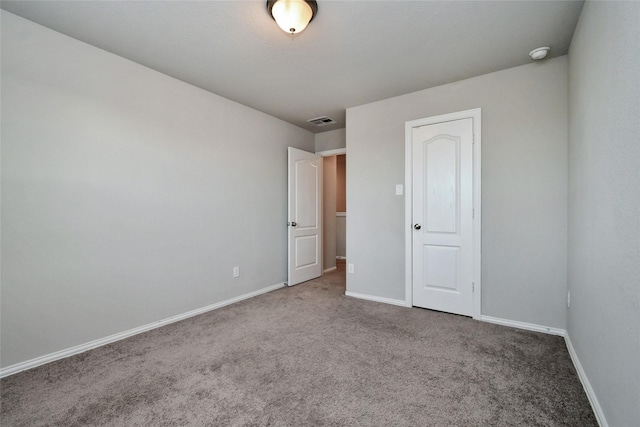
[292, 16]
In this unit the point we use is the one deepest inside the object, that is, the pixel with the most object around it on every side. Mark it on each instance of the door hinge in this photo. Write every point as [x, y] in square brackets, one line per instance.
[473, 286]
[473, 213]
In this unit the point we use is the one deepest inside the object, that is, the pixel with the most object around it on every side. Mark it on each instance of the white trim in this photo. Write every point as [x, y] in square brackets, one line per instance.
[341, 214]
[341, 257]
[336, 152]
[408, 215]
[591, 395]
[476, 115]
[399, 302]
[23, 366]
[523, 325]
[327, 270]
[477, 209]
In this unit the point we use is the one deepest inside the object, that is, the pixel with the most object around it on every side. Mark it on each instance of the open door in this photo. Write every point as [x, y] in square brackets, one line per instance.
[305, 216]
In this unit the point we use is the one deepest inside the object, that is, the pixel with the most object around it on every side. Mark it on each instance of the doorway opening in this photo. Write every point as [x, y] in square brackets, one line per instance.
[334, 209]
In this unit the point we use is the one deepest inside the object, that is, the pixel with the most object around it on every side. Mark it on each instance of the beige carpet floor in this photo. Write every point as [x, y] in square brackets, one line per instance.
[309, 356]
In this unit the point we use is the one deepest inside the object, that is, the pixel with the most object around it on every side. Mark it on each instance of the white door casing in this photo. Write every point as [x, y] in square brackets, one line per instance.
[443, 213]
[305, 216]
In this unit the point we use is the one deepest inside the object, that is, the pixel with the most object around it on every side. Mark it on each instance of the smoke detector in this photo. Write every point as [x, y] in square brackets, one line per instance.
[539, 53]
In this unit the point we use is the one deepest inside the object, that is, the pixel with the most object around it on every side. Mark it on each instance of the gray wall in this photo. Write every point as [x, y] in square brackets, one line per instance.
[604, 204]
[127, 196]
[331, 140]
[524, 189]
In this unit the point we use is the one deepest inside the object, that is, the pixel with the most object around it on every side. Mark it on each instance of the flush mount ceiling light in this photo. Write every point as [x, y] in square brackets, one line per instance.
[539, 53]
[292, 16]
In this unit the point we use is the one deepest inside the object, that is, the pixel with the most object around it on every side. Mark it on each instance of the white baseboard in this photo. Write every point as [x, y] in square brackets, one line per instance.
[326, 270]
[23, 366]
[523, 325]
[591, 395]
[593, 400]
[399, 302]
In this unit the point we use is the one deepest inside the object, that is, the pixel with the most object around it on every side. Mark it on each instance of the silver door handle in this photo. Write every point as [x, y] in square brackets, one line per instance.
[417, 226]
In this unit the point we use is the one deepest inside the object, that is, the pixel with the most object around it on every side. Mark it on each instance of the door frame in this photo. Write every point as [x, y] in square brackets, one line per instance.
[329, 153]
[476, 115]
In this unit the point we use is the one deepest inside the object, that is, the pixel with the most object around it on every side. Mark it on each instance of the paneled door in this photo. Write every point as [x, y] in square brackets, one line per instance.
[305, 216]
[442, 216]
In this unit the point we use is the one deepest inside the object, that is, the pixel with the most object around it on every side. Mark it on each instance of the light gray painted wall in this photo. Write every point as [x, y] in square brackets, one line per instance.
[524, 188]
[330, 140]
[127, 196]
[329, 212]
[604, 204]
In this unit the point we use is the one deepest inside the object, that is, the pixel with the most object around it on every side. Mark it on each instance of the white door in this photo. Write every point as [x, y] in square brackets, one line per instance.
[442, 205]
[305, 216]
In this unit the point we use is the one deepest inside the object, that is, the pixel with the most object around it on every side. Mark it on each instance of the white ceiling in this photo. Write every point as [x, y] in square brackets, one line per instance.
[352, 53]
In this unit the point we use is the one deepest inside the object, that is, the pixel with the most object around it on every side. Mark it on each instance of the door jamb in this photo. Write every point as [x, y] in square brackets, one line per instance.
[474, 114]
[328, 153]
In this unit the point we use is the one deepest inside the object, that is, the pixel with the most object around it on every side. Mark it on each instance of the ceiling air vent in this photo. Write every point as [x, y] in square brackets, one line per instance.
[322, 121]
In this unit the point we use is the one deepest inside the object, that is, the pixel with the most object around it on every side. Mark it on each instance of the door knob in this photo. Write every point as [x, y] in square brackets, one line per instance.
[293, 224]
[417, 226]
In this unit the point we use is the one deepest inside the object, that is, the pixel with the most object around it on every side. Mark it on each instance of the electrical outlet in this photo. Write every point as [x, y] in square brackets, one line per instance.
[568, 299]
[236, 271]
[350, 267]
